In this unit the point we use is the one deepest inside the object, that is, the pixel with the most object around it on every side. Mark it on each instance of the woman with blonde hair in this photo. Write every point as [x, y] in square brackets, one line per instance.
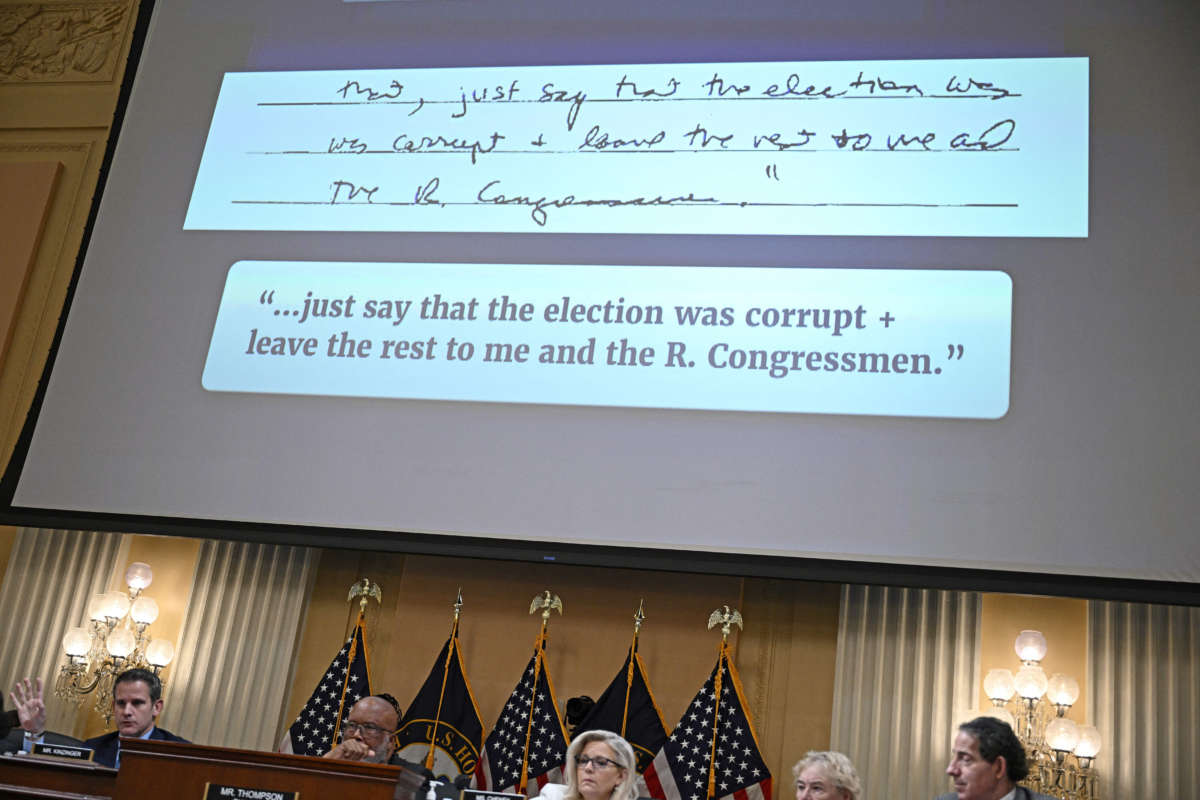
[600, 766]
[826, 775]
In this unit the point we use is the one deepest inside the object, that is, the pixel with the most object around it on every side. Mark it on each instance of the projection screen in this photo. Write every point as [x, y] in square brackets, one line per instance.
[888, 284]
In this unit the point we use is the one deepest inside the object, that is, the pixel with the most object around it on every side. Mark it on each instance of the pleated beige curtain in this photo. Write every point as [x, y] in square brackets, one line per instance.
[907, 668]
[230, 681]
[51, 576]
[1144, 670]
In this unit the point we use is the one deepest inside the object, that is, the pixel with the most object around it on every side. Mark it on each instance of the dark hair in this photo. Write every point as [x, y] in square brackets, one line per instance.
[577, 709]
[996, 738]
[394, 703]
[145, 676]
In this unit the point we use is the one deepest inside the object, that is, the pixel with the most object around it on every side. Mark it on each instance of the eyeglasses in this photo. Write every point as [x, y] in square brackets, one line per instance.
[599, 762]
[816, 790]
[350, 728]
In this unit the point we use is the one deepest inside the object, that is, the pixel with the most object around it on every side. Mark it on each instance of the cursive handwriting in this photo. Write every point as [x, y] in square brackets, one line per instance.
[884, 85]
[596, 139]
[647, 94]
[351, 191]
[773, 139]
[954, 85]
[538, 207]
[791, 88]
[404, 144]
[347, 145]
[990, 139]
[391, 93]
[716, 85]
[552, 95]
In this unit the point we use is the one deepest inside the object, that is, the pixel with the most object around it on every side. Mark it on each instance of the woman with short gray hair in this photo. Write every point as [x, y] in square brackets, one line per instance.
[826, 775]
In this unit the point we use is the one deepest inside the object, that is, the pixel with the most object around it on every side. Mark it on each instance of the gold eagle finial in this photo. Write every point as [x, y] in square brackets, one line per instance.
[365, 588]
[726, 618]
[547, 602]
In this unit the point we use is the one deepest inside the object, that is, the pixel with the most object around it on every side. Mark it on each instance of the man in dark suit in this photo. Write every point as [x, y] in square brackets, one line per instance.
[137, 702]
[987, 762]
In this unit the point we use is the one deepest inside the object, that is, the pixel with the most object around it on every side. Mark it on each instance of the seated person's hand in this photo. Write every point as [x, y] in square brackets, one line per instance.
[351, 750]
[27, 700]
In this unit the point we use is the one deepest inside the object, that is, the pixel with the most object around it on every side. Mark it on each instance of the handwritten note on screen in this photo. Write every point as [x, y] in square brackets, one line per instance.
[982, 147]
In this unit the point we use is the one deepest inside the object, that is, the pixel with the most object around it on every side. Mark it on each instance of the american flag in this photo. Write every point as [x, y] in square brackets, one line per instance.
[504, 766]
[345, 682]
[681, 769]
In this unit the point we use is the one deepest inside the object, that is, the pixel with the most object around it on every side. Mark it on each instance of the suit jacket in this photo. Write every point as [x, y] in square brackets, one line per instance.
[1022, 794]
[105, 747]
[8, 721]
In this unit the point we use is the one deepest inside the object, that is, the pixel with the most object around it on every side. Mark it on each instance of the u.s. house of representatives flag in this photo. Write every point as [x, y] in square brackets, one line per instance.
[530, 715]
[344, 683]
[713, 753]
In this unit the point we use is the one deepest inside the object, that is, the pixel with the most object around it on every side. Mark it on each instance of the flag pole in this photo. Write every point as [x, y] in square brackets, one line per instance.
[638, 618]
[450, 647]
[547, 602]
[364, 589]
[726, 618]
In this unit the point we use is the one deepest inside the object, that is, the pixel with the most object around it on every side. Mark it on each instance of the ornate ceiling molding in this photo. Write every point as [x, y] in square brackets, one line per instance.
[72, 42]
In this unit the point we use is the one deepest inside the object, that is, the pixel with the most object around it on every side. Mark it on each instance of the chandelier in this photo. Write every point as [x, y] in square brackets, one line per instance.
[116, 638]
[1061, 752]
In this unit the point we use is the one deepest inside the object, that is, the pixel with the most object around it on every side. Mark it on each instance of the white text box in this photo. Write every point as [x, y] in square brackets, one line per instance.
[839, 341]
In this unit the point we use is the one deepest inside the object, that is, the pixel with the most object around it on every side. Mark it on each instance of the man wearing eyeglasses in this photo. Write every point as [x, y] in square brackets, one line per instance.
[368, 733]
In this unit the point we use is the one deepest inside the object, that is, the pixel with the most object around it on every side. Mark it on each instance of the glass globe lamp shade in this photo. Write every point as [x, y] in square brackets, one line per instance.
[120, 643]
[1062, 734]
[1062, 690]
[160, 652]
[1089, 742]
[1030, 646]
[77, 642]
[1030, 682]
[998, 684]
[138, 576]
[97, 607]
[144, 610]
[116, 604]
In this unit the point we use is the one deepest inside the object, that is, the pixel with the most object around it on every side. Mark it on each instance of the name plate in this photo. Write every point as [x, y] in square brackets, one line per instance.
[479, 794]
[63, 751]
[216, 791]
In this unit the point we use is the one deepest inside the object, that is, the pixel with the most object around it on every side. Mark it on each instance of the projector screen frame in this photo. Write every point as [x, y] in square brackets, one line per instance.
[686, 561]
